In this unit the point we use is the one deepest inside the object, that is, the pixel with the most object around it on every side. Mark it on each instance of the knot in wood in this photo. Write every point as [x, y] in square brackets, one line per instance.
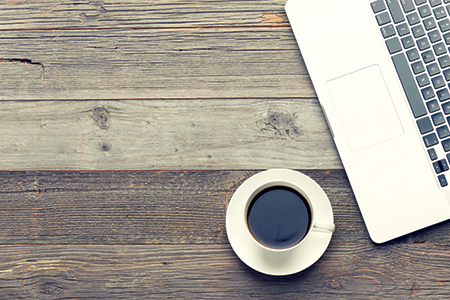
[42, 281]
[106, 147]
[101, 117]
[279, 124]
[49, 288]
[334, 284]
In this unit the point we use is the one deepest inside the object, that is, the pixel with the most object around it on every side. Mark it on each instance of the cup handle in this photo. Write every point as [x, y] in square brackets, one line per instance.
[323, 227]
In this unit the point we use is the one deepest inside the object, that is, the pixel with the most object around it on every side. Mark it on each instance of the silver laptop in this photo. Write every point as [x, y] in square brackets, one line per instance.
[381, 70]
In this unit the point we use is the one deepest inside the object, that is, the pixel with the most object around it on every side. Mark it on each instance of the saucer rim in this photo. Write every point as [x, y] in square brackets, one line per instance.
[250, 252]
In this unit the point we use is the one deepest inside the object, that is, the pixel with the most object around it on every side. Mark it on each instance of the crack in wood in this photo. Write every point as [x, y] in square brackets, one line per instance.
[101, 11]
[26, 62]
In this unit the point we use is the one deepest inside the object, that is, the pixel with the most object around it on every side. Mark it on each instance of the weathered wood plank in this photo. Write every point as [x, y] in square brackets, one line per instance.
[165, 134]
[125, 64]
[213, 271]
[152, 207]
[46, 14]
[141, 207]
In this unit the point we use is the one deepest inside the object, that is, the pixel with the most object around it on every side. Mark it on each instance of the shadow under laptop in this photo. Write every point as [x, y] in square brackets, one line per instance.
[436, 234]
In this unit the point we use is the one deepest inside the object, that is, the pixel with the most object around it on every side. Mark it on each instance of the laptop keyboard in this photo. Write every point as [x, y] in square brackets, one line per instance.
[417, 35]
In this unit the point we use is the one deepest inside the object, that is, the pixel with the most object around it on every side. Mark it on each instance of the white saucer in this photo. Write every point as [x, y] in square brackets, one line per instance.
[278, 262]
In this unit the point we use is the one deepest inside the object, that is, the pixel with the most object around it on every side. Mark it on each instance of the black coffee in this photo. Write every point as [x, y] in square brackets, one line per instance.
[278, 217]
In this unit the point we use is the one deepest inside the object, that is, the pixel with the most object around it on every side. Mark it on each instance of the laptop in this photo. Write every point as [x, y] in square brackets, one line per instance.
[381, 70]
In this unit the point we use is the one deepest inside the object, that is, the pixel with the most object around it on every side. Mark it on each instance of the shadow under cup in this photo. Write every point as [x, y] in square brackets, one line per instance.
[279, 217]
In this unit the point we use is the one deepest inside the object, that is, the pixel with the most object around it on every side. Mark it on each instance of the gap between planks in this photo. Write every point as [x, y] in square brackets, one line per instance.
[124, 28]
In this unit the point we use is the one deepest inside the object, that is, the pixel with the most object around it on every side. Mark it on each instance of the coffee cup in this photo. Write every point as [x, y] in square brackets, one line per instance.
[279, 215]
[279, 221]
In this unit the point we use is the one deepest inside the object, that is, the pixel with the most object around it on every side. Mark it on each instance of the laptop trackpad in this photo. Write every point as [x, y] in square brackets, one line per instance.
[365, 109]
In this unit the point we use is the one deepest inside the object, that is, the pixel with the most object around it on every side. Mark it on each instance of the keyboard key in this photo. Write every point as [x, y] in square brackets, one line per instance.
[430, 140]
[442, 180]
[378, 6]
[396, 11]
[444, 25]
[438, 119]
[408, 42]
[444, 165]
[413, 18]
[434, 36]
[424, 11]
[422, 80]
[447, 75]
[437, 167]
[419, 2]
[418, 67]
[423, 44]
[439, 49]
[433, 69]
[435, 3]
[443, 132]
[402, 29]
[412, 54]
[427, 93]
[418, 31]
[443, 95]
[439, 13]
[444, 61]
[393, 45]
[439, 82]
[446, 145]
[427, 56]
[388, 31]
[429, 24]
[407, 5]
[383, 18]
[447, 38]
[433, 106]
[409, 86]
[432, 154]
[425, 125]
[446, 108]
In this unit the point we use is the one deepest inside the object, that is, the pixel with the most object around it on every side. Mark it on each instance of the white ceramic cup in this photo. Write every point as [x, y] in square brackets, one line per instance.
[288, 260]
[314, 224]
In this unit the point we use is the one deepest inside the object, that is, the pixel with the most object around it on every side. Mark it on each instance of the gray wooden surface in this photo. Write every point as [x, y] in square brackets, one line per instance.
[165, 134]
[125, 128]
[146, 50]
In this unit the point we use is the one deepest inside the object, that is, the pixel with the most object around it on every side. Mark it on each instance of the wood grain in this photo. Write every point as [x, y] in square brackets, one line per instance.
[145, 118]
[94, 14]
[213, 271]
[175, 63]
[141, 207]
[152, 207]
[163, 134]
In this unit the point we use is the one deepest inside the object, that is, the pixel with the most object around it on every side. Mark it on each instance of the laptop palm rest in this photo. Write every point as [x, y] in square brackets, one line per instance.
[364, 108]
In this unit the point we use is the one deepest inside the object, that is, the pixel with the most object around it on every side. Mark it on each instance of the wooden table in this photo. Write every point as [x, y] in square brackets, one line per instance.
[125, 128]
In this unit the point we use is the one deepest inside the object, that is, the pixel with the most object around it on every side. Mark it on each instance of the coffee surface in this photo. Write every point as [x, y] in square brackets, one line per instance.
[278, 217]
